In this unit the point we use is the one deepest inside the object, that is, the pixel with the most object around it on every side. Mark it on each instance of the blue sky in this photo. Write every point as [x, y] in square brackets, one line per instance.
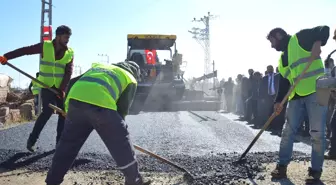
[101, 26]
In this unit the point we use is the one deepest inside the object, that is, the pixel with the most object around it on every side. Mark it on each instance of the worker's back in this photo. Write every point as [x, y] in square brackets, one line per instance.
[102, 85]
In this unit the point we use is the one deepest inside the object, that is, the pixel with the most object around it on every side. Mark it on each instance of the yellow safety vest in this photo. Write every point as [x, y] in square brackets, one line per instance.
[51, 70]
[102, 86]
[297, 61]
[35, 88]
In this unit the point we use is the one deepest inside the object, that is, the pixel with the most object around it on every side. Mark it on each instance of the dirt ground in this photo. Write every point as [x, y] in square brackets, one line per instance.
[296, 173]
[84, 178]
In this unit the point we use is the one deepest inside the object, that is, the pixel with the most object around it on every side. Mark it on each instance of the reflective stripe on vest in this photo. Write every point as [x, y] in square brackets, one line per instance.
[54, 64]
[307, 74]
[51, 70]
[104, 83]
[297, 61]
[102, 86]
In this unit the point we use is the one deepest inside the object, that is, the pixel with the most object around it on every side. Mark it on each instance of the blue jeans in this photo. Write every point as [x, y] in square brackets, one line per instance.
[317, 122]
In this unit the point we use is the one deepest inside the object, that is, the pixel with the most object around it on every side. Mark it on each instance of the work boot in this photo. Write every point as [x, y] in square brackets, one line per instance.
[313, 176]
[279, 172]
[31, 145]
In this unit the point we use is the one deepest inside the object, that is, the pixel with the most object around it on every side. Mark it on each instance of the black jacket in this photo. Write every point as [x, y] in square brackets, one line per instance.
[306, 38]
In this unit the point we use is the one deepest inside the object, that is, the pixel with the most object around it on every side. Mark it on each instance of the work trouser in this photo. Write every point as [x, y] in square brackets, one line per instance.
[36, 98]
[317, 124]
[252, 110]
[228, 98]
[81, 119]
[47, 97]
[245, 112]
[330, 114]
[332, 146]
[239, 105]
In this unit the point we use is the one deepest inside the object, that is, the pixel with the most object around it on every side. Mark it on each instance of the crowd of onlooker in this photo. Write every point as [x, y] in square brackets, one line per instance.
[252, 98]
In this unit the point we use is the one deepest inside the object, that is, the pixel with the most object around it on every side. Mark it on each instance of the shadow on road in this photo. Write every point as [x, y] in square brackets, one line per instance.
[283, 181]
[289, 182]
[11, 164]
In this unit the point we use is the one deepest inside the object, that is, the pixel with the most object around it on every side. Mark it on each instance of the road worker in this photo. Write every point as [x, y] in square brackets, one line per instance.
[297, 50]
[99, 99]
[56, 69]
[35, 90]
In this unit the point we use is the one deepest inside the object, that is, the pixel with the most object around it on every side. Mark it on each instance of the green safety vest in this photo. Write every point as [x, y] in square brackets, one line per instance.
[297, 61]
[51, 70]
[35, 88]
[102, 86]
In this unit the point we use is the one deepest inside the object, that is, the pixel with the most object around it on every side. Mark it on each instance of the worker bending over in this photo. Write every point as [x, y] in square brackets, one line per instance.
[297, 50]
[100, 100]
[55, 71]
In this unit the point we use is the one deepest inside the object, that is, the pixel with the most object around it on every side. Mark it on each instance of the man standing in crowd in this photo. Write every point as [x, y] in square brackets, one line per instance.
[272, 88]
[55, 71]
[246, 93]
[252, 102]
[238, 95]
[331, 153]
[228, 93]
[329, 65]
[297, 50]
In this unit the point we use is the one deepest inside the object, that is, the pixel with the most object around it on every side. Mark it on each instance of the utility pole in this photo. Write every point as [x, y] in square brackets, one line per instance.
[202, 37]
[46, 33]
[105, 55]
[213, 70]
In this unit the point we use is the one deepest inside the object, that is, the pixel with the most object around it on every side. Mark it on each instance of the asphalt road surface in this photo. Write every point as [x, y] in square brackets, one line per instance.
[203, 142]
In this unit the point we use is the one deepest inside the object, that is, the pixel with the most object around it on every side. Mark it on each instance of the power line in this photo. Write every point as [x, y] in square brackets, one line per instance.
[202, 37]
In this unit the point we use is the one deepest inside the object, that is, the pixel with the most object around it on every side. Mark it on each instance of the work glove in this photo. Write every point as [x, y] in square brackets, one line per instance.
[61, 94]
[3, 60]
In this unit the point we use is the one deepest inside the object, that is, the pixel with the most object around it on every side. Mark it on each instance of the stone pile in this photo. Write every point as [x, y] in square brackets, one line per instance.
[15, 105]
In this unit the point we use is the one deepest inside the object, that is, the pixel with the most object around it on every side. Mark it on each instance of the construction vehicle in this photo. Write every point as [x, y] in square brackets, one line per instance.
[162, 86]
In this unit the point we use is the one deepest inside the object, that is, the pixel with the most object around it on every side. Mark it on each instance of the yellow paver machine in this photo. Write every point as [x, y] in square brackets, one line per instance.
[162, 86]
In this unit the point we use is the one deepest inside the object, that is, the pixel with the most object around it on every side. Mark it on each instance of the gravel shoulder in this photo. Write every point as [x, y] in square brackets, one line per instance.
[27, 177]
[297, 171]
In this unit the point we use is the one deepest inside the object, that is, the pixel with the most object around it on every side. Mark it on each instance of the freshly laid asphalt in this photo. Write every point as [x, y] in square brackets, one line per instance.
[206, 143]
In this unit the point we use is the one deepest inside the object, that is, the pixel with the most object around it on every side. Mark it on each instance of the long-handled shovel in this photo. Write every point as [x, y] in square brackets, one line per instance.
[32, 78]
[188, 176]
[274, 114]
